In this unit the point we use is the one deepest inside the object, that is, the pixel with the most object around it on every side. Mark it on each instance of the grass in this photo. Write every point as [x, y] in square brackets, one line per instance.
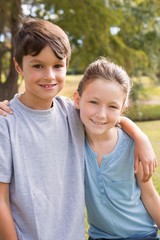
[152, 129]
[144, 112]
[70, 85]
[155, 92]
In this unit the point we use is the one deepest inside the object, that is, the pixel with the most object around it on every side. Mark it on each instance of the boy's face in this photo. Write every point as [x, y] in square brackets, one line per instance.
[44, 77]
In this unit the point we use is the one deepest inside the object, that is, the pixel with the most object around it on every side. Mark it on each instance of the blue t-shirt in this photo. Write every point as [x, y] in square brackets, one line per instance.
[113, 202]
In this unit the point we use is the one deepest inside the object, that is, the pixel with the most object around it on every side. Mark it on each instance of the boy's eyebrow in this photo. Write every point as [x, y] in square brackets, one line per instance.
[41, 61]
[36, 60]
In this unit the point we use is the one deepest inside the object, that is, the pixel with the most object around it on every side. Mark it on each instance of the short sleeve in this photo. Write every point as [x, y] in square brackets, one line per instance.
[5, 153]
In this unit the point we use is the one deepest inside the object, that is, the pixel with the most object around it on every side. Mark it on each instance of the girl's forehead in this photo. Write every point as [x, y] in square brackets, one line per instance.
[101, 82]
[102, 87]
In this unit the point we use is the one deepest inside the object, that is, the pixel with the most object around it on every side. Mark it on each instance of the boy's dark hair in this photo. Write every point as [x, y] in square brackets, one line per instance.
[35, 34]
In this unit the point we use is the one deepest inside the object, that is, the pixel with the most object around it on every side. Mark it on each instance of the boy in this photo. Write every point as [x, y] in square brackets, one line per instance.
[41, 144]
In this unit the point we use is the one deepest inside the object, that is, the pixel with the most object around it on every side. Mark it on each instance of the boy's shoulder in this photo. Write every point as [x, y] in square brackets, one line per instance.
[65, 103]
[66, 107]
[124, 137]
[2, 118]
[64, 100]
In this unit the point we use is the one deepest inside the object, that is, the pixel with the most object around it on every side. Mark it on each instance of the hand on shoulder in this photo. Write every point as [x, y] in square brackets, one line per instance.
[4, 108]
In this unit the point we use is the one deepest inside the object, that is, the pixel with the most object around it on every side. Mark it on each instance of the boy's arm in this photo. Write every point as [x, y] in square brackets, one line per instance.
[143, 149]
[7, 227]
[150, 197]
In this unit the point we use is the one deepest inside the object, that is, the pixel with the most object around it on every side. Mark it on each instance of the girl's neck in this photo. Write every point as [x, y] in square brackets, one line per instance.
[103, 145]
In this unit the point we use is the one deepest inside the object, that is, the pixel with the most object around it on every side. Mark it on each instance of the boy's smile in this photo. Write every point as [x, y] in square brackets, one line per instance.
[48, 86]
[44, 77]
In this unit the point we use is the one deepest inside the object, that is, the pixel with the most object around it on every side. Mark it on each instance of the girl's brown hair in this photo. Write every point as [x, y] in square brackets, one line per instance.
[105, 69]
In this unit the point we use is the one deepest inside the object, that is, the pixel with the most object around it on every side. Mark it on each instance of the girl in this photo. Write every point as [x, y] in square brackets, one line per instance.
[119, 204]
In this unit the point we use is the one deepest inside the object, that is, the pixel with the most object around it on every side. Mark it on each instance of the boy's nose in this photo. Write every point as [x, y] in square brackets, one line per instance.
[50, 74]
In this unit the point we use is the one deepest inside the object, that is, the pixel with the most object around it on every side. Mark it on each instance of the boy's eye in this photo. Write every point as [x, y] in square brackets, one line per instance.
[37, 66]
[58, 66]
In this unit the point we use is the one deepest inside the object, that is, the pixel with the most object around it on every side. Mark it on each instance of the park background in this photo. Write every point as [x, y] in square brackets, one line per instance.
[125, 31]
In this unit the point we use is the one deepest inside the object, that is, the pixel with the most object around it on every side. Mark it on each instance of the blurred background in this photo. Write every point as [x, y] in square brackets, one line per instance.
[128, 32]
[125, 31]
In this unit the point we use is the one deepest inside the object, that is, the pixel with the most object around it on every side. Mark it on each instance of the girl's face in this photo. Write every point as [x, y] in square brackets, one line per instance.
[101, 105]
[44, 77]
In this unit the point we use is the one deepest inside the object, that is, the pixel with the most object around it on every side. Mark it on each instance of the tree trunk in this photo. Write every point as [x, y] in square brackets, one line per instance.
[10, 86]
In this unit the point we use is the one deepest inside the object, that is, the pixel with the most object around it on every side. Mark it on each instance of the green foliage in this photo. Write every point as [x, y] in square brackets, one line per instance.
[140, 30]
[137, 91]
[134, 61]
[126, 31]
[88, 24]
[140, 112]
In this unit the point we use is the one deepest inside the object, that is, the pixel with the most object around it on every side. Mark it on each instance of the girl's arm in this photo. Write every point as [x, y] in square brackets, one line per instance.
[7, 227]
[4, 108]
[143, 149]
[150, 197]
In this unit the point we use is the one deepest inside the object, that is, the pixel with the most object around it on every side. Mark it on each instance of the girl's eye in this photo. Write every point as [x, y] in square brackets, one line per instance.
[94, 102]
[114, 107]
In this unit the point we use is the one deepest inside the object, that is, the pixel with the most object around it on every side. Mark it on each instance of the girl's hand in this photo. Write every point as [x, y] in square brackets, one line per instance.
[144, 152]
[4, 108]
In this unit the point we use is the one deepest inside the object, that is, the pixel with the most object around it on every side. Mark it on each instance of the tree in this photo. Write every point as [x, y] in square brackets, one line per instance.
[87, 24]
[125, 31]
[87, 33]
[9, 13]
[140, 31]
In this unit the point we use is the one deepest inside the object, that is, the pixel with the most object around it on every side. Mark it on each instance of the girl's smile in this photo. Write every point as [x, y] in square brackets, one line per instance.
[100, 104]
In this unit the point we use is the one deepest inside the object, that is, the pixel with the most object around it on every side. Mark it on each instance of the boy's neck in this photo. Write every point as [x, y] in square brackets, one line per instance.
[36, 104]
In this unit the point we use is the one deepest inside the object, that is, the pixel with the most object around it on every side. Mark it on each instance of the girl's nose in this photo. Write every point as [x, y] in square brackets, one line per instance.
[102, 112]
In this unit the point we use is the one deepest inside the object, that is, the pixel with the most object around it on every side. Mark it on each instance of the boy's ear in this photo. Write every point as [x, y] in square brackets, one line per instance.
[76, 99]
[17, 67]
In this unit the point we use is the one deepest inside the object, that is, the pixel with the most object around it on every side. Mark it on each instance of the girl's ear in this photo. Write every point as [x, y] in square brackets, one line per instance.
[17, 67]
[123, 109]
[76, 99]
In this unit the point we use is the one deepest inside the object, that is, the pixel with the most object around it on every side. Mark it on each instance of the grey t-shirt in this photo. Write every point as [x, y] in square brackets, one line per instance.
[41, 156]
